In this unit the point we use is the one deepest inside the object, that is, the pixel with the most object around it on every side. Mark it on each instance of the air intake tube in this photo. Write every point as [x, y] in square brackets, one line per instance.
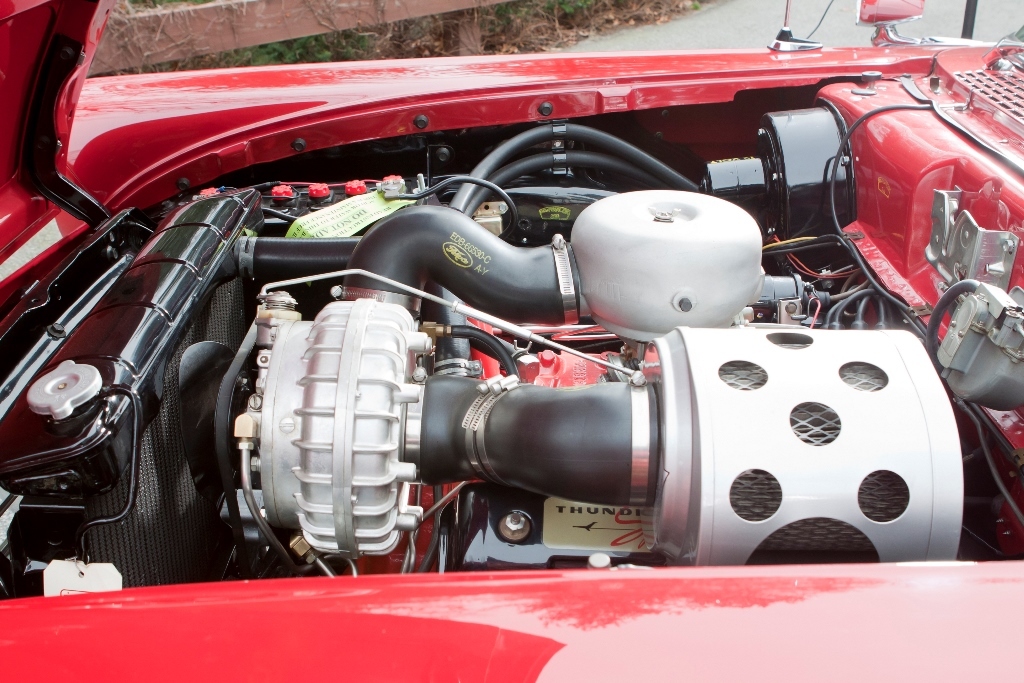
[434, 243]
[597, 444]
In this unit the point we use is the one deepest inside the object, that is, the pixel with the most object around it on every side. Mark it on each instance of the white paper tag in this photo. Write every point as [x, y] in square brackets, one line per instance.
[71, 577]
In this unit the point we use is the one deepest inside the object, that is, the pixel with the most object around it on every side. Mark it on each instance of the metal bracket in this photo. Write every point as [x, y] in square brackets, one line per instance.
[960, 249]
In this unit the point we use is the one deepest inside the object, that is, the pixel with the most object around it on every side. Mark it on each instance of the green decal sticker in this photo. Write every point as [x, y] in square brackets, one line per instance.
[347, 217]
[555, 213]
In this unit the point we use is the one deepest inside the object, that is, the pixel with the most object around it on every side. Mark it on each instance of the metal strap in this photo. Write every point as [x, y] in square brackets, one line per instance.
[563, 270]
[410, 303]
[641, 446]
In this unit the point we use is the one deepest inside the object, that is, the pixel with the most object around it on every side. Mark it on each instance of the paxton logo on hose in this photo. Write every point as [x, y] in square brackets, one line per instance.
[554, 213]
[464, 253]
[457, 256]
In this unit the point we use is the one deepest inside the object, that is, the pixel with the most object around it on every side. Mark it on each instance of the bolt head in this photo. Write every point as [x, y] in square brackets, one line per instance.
[545, 109]
[421, 121]
[515, 526]
[442, 154]
[685, 305]
[298, 144]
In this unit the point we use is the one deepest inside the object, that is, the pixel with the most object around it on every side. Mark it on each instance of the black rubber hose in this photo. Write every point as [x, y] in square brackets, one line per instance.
[947, 299]
[570, 443]
[492, 346]
[284, 258]
[434, 243]
[609, 143]
[223, 422]
[546, 160]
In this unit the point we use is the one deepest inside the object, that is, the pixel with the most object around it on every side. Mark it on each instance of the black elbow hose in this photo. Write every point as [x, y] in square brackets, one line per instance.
[492, 346]
[433, 243]
[546, 160]
[570, 443]
[609, 143]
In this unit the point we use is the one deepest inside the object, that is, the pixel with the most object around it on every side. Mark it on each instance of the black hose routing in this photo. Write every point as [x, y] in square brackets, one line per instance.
[571, 131]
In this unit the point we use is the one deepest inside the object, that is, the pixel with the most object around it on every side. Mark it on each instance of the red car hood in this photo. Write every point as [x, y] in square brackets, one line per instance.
[29, 29]
[938, 622]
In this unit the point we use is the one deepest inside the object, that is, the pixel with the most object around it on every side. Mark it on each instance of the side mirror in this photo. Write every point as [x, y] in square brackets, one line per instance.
[888, 12]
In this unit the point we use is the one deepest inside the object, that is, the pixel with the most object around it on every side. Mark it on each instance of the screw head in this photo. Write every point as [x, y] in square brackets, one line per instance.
[419, 375]
[287, 425]
[255, 402]
[337, 292]
[421, 121]
[545, 109]
[515, 526]
[685, 305]
[298, 144]
[183, 184]
[56, 331]
[442, 154]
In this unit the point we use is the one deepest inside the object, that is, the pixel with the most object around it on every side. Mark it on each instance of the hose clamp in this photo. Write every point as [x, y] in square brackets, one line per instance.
[410, 303]
[641, 446]
[475, 423]
[245, 249]
[563, 270]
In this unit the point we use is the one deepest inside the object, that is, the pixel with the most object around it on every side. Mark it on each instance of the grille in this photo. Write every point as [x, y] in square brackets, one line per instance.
[742, 375]
[818, 534]
[883, 496]
[1004, 89]
[170, 535]
[815, 423]
[864, 376]
[755, 495]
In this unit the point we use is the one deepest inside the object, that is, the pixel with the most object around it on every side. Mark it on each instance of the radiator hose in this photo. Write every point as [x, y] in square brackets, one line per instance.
[437, 244]
[576, 443]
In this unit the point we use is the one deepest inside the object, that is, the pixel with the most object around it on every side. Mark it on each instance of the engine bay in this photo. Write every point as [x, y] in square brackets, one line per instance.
[571, 343]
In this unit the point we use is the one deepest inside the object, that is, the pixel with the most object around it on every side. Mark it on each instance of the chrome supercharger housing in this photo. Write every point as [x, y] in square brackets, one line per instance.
[787, 446]
[337, 400]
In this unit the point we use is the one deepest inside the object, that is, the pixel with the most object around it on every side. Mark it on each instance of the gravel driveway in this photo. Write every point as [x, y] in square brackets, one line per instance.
[754, 23]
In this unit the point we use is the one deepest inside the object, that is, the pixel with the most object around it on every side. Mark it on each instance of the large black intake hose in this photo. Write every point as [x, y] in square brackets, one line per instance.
[433, 243]
[571, 443]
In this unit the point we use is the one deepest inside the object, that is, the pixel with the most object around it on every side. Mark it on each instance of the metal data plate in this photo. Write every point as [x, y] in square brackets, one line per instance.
[960, 249]
[584, 526]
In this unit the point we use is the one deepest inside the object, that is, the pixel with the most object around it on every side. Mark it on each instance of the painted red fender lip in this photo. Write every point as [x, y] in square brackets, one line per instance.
[934, 622]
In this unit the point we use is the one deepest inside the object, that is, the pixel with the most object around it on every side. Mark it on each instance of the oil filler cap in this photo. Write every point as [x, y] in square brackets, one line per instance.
[60, 391]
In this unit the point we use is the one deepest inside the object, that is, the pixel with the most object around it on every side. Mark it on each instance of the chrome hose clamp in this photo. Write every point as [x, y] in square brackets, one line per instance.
[475, 422]
[641, 445]
[563, 270]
